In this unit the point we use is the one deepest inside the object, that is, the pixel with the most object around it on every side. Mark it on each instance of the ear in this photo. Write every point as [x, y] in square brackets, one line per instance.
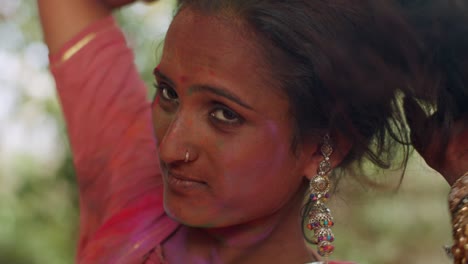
[341, 147]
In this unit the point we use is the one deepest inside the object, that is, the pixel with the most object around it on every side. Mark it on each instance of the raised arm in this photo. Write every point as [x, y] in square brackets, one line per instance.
[61, 20]
[110, 131]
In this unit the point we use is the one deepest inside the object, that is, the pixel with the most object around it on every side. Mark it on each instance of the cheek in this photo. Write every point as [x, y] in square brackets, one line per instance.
[263, 175]
[256, 160]
[161, 121]
[266, 166]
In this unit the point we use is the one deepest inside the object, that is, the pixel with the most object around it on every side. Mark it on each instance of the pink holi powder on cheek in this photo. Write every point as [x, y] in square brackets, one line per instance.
[272, 128]
[276, 135]
[155, 102]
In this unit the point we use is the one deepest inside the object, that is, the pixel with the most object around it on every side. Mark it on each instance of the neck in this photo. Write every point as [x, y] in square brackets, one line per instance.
[273, 239]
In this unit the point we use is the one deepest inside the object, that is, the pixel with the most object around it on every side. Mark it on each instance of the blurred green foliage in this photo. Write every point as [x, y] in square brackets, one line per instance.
[38, 196]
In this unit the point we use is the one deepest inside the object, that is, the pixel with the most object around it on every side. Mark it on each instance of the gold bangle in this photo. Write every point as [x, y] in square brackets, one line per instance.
[77, 47]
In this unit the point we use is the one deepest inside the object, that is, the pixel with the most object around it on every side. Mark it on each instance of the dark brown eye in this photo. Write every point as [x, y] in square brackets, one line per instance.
[168, 94]
[226, 116]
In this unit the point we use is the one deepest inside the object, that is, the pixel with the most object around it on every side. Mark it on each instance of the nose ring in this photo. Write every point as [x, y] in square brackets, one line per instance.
[187, 156]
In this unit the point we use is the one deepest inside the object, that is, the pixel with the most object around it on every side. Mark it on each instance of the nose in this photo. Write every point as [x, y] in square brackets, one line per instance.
[177, 140]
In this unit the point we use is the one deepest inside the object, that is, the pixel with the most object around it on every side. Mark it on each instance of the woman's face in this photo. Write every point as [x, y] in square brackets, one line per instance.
[215, 101]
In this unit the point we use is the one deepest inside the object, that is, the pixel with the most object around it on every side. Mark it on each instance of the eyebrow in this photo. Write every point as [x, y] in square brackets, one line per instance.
[206, 88]
[159, 75]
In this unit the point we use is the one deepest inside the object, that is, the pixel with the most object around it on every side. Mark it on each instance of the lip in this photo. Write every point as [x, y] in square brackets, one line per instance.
[181, 183]
[184, 178]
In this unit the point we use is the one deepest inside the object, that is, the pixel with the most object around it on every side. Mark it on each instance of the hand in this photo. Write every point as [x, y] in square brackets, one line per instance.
[119, 3]
[443, 149]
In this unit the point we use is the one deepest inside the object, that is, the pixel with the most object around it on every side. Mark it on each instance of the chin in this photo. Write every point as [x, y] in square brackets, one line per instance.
[193, 216]
[180, 211]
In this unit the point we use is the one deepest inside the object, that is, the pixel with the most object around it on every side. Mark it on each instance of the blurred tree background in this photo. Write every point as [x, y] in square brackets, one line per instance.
[38, 197]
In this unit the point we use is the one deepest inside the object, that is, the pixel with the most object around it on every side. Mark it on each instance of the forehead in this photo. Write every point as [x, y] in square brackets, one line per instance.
[197, 39]
[217, 52]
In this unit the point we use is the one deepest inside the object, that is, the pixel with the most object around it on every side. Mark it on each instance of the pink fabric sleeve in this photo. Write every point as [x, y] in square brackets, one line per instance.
[109, 126]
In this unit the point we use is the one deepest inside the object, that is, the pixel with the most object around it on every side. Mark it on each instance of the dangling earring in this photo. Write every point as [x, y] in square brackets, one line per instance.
[320, 219]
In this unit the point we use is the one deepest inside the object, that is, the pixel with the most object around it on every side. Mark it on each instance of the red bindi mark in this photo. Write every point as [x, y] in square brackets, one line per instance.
[212, 73]
[183, 79]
